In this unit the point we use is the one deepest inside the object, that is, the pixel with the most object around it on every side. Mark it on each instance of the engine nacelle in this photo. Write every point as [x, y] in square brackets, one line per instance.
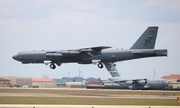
[130, 83]
[142, 82]
[53, 55]
[70, 53]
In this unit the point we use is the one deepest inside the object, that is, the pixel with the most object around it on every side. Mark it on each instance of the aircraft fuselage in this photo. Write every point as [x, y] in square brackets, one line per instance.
[104, 56]
[143, 83]
[143, 47]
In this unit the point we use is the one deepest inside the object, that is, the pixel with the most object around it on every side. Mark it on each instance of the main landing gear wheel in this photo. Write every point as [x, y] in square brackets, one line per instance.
[52, 66]
[114, 65]
[100, 65]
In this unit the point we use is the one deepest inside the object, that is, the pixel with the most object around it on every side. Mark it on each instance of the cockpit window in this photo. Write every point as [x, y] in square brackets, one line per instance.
[22, 53]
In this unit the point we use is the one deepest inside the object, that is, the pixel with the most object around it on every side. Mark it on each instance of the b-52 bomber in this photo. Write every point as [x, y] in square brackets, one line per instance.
[142, 48]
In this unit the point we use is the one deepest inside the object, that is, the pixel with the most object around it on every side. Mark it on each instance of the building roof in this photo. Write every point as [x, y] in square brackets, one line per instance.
[42, 80]
[4, 79]
[172, 76]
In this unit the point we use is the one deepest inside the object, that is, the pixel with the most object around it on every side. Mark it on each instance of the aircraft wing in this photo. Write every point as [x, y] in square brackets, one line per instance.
[81, 53]
[119, 79]
[91, 51]
[95, 49]
[99, 48]
[138, 79]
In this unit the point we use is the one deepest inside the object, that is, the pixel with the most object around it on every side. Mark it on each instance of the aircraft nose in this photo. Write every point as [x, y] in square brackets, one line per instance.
[14, 57]
[167, 82]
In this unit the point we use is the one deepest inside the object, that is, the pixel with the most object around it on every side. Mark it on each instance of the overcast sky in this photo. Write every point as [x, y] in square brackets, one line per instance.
[69, 24]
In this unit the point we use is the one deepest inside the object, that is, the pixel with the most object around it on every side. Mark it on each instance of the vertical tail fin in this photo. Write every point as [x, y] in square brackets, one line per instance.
[101, 81]
[147, 40]
[112, 70]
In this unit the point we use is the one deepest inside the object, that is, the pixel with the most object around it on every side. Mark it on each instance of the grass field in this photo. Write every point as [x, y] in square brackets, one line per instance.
[85, 100]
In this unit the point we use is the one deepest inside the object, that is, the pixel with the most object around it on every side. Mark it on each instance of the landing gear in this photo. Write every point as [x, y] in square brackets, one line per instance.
[52, 66]
[114, 65]
[100, 65]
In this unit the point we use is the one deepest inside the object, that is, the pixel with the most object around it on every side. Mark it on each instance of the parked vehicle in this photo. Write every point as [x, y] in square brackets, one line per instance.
[26, 86]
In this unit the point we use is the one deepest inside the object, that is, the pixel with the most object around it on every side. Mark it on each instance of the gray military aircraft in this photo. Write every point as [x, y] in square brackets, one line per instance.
[138, 83]
[141, 83]
[143, 47]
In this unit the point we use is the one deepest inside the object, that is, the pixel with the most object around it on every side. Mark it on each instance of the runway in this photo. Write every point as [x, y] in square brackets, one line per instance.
[66, 95]
[161, 94]
[81, 106]
[90, 95]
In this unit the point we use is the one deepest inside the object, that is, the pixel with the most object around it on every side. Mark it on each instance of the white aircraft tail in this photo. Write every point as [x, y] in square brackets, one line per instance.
[147, 40]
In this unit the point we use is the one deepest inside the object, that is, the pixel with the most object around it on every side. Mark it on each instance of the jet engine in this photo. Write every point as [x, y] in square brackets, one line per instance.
[130, 83]
[70, 53]
[53, 55]
[63, 53]
[142, 82]
[139, 83]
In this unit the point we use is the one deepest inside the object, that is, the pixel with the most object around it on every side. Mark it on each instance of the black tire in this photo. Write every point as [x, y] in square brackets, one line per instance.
[52, 66]
[114, 65]
[100, 65]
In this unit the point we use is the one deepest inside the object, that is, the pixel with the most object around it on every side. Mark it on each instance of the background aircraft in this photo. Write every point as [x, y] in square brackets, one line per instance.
[143, 47]
[136, 84]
